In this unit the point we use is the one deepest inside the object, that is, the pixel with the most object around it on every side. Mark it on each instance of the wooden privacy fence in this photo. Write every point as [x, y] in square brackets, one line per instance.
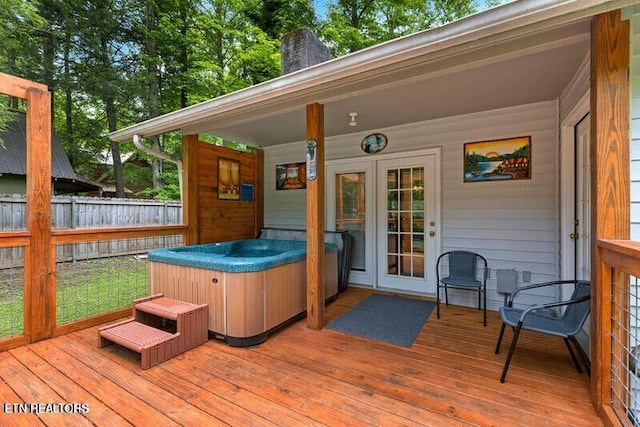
[91, 212]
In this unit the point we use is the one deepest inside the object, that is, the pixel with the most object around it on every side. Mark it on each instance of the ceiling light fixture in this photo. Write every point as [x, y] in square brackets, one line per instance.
[353, 121]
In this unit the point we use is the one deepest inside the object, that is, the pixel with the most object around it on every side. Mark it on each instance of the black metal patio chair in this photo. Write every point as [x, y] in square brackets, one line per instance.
[540, 318]
[461, 269]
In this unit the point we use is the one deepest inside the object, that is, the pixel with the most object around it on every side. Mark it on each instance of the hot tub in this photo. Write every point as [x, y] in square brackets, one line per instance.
[252, 287]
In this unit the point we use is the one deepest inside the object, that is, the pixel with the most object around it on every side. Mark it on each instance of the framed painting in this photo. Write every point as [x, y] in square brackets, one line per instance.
[291, 176]
[499, 160]
[228, 179]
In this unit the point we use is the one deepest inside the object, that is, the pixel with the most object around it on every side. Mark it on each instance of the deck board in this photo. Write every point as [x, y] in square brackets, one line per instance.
[7, 395]
[299, 376]
[68, 390]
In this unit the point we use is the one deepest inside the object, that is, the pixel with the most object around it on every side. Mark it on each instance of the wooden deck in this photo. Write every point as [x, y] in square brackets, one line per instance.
[450, 376]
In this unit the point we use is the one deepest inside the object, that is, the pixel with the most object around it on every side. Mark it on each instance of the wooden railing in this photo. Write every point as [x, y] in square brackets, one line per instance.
[615, 329]
[67, 237]
[38, 240]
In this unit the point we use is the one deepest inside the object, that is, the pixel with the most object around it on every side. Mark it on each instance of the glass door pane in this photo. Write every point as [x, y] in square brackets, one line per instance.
[350, 212]
[405, 221]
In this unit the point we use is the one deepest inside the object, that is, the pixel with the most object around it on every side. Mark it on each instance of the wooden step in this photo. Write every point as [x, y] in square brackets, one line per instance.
[136, 336]
[154, 345]
[146, 332]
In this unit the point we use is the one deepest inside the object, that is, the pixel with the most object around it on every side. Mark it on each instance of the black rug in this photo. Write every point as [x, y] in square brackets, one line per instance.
[388, 318]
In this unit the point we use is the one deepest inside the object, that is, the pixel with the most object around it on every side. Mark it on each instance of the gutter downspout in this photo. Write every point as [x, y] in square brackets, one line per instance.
[137, 141]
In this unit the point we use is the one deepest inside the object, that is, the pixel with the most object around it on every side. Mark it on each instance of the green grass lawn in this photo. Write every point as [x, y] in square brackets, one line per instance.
[83, 289]
[11, 302]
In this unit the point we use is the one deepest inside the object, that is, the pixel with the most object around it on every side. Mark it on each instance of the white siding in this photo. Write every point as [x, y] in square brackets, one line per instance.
[513, 224]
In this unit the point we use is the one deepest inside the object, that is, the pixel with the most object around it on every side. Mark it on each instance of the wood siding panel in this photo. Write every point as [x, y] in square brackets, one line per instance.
[513, 224]
[221, 220]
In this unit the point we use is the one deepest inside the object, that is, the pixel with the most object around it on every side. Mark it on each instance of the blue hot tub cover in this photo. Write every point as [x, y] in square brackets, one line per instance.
[237, 256]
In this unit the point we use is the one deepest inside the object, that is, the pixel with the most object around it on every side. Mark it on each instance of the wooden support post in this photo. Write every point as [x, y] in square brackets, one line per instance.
[190, 182]
[258, 193]
[315, 222]
[40, 292]
[610, 216]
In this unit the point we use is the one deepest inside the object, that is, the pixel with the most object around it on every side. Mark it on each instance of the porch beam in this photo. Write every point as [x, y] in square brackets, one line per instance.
[315, 221]
[18, 87]
[610, 209]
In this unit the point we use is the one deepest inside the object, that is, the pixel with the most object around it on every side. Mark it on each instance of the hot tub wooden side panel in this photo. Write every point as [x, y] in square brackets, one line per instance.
[194, 285]
[286, 293]
[245, 297]
[209, 285]
[242, 305]
[286, 289]
[330, 275]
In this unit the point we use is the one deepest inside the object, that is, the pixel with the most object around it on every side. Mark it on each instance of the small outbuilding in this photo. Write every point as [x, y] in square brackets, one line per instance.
[13, 163]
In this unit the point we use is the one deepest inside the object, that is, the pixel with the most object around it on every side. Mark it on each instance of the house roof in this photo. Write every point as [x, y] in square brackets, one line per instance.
[13, 158]
[519, 53]
[13, 155]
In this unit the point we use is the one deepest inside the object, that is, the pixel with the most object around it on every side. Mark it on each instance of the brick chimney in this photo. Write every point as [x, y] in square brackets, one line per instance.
[301, 49]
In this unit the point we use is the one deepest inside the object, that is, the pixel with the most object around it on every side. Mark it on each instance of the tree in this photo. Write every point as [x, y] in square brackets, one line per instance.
[276, 17]
[112, 63]
[152, 62]
[494, 3]
[18, 19]
[106, 58]
[352, 25]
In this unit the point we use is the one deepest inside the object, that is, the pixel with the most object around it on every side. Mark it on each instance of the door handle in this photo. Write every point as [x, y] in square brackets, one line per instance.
[574, 236]
[432, 233]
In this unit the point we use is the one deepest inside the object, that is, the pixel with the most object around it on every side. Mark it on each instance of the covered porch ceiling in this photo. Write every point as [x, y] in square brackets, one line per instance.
[523, 52]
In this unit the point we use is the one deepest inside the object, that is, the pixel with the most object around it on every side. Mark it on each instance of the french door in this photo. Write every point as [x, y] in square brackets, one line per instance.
[391, 206]
[408, 223]
[351, 207]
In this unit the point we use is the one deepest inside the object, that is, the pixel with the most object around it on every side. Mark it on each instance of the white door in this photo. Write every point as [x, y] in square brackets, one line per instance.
[581, 234]
[408, 228]
[351, 206]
